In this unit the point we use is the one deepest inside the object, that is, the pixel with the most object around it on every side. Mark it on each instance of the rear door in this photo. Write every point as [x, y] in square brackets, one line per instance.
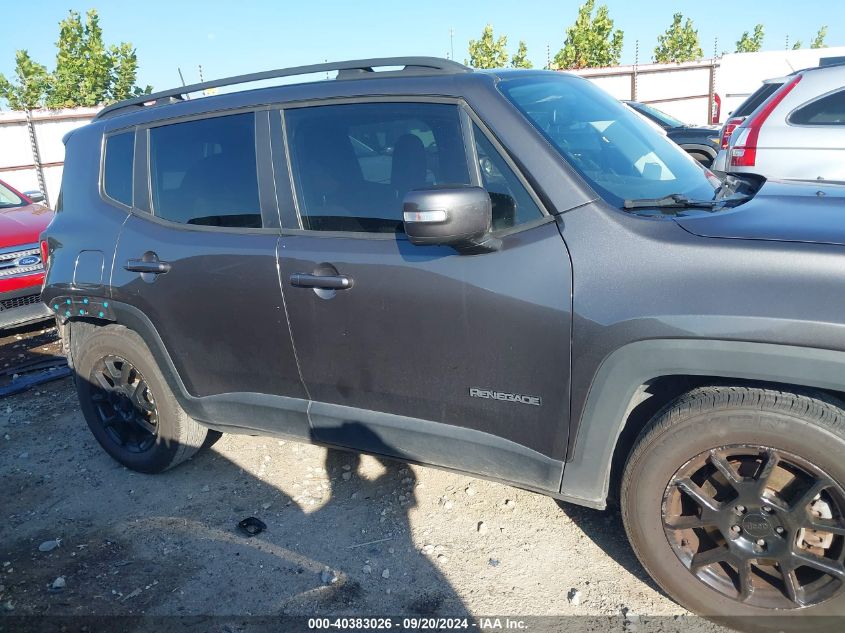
[197, 259]
[422, 352]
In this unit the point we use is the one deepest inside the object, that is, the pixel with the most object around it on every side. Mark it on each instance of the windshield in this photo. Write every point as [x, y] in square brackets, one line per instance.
[657, 115]
[618, 153]
[9, 199]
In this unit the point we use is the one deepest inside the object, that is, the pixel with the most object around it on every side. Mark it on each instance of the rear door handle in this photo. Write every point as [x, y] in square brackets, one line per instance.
[326, 282]
[150, 263]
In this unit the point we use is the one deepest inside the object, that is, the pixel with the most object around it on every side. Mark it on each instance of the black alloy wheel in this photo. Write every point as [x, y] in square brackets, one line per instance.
[124, 404]
[761, 526]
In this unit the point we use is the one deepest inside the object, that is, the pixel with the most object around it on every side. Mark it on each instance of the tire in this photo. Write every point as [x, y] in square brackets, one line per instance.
[804, 432]
[171, 435]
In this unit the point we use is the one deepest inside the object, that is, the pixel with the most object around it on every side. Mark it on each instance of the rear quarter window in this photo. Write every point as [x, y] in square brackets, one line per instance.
[118, 167]
[829, 110]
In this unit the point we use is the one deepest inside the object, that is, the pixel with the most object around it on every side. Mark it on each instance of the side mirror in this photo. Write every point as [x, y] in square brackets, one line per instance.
[35, 196]
[458, 216]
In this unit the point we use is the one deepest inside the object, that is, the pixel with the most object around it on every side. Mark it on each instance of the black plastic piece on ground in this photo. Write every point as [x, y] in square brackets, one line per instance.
[252, 526]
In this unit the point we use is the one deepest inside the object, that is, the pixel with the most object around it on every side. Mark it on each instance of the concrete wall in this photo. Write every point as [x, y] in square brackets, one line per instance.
[683, 90]
[17, 166]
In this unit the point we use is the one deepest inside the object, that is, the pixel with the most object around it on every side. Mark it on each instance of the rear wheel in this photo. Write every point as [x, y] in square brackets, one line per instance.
[733, 500]
[128, 405]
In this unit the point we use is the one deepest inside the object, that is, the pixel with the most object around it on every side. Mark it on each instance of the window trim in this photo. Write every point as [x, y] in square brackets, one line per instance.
[268, 206]
[795, 110]
[505, 155]
[102, 176]
[467, 117]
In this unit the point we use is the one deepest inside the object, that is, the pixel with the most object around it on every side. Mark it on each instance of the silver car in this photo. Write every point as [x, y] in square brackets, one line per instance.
[798, 132]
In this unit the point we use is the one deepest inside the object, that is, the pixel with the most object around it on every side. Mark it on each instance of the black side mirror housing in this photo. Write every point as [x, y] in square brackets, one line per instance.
[454, 215]
[35, 196]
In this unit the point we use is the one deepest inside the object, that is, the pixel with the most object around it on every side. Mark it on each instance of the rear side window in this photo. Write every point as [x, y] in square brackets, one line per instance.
[204, 172]
[353, 164]
[829, 110]
[117, 169]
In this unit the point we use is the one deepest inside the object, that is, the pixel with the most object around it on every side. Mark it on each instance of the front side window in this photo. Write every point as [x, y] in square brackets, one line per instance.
[620, 155]
[352, 164]
[829, 110]
[9, 199]
[117, 167]
[204, 172]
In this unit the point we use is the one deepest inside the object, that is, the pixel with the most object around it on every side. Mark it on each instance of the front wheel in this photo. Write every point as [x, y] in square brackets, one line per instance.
[733, 500]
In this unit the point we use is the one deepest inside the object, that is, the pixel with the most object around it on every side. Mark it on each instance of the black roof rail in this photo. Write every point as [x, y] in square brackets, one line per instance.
[356, 68]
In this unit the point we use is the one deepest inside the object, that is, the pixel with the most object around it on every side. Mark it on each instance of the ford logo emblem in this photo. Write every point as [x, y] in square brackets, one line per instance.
[29, 260]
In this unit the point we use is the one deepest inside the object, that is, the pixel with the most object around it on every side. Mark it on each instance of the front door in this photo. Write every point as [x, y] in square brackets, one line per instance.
[422, 352]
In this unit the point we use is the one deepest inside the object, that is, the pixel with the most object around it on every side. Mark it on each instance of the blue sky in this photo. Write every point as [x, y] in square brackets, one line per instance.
[230, 38]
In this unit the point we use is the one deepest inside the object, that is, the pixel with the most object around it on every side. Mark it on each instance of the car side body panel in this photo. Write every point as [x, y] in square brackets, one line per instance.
[646, 298]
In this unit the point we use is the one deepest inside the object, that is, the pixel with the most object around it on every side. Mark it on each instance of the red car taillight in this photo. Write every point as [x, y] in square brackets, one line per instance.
[744, 151]
[730, 126]
[716, 108]
[45, 253]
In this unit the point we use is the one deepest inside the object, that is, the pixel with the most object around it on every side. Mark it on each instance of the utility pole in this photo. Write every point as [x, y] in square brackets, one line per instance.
[36, 156]
[452, 43]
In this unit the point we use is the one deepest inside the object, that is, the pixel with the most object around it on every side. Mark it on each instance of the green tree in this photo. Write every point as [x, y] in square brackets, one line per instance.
[818, 40]
[591, 41]
[124, 72]
[798, 44]
[520, 58]
[87, 73]
[751, 43]
[83, 74]
[489, 51]
[30, 86]
[679, 43]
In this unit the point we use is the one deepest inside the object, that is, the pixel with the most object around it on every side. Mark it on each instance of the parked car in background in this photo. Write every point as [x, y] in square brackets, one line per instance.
[754, 101]
[21, 264]
[798, 132]
[699, 141]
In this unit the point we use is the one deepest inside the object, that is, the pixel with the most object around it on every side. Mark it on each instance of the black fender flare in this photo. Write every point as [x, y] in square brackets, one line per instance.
[614, 389]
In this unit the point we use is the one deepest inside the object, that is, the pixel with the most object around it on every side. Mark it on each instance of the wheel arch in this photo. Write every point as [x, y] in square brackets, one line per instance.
[698, 148]
[637, 380]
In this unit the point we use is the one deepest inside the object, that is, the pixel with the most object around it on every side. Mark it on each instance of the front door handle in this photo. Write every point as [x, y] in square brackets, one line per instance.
[325, 282]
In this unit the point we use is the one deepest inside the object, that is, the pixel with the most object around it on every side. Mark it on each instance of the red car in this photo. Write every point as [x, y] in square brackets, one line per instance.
[21, 267]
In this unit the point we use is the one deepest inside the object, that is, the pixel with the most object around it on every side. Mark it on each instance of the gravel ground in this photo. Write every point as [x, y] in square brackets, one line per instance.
[346, 535]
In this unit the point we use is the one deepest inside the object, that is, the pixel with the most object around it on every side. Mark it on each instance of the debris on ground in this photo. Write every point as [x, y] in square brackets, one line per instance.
[252, 526]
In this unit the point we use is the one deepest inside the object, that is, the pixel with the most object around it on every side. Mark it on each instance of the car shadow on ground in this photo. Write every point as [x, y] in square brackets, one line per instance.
[605, 529]
[338, 543]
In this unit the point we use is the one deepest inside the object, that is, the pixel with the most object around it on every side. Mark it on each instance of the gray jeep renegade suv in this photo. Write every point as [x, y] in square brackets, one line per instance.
[506, 273]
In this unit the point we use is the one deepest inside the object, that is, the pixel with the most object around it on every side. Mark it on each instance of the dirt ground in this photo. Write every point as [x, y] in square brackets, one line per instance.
[346, 535]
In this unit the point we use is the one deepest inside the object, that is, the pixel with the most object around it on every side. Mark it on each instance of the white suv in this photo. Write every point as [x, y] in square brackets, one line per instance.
[798, 132]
